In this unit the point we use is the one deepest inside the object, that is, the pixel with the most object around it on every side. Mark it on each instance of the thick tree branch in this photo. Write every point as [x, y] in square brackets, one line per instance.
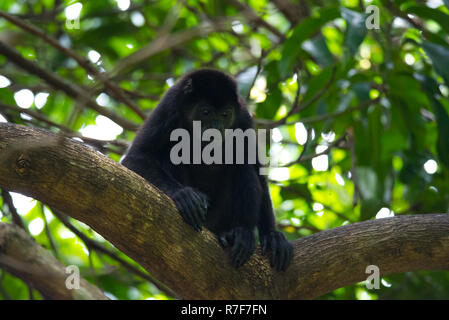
[24, 258]
[144, 224]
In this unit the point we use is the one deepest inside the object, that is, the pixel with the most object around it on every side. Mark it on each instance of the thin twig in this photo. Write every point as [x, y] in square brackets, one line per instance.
[115, 91]
[16, 219]
[334, 115]
[70, 89]
[337, 143]
[296, 108]
[123, 145]
[259, 68]
[252, 16]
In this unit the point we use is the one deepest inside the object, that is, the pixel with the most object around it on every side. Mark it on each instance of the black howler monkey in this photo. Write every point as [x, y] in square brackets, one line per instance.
[228, 199]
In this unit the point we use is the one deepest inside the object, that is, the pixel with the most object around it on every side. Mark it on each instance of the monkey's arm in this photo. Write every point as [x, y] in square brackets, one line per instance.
[191, 203]
[281, 249]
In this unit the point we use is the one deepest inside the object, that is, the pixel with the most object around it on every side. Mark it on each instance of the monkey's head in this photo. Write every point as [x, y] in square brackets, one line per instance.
[210, 96]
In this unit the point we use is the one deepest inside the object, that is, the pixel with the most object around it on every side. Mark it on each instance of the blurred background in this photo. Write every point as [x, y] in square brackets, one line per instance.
[355, 92]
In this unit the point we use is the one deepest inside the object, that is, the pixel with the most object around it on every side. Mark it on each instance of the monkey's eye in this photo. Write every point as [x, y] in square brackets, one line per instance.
[205, 112]
[225, 114]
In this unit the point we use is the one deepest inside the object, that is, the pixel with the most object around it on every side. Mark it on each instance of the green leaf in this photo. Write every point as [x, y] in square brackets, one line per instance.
[245, 80]
[355, 29]
[440, 58]
[296, 190]
[318, 49]
[443, 131]
[442, 118]
[303, 31]
[269, 108]
[430, 13]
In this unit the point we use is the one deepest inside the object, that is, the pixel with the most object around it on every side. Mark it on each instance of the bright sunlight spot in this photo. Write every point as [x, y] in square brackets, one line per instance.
[328, 136]
[237, 26]
[2, 119]
[41, 99]
[170, 81]
[137, 19]
[276, 135]
[73, 11]
[103, 99]
[339, 179]
[22, 203]
[385, 283]
[4, 82]
[104, 129]
[123, 4]
[320, 163]
[24, 98]
[36, 226]
[300, 133]
[434, 3]
[279, 174]
[365, 52]
[384, 213]
[431, 166]
[48, 215]
[365, 64]
[65, 233]
[409, 59]
[258, 90]
[93, 56]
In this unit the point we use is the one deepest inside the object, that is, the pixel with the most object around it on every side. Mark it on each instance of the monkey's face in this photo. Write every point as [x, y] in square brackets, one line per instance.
[212, 117]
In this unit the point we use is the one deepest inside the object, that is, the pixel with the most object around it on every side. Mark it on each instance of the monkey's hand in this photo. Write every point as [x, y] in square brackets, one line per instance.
[242, 243]
[281, 249]
[192, 205]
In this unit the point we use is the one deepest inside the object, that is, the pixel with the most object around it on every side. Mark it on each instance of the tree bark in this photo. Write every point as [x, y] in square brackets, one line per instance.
[143, 223]
[24, 258]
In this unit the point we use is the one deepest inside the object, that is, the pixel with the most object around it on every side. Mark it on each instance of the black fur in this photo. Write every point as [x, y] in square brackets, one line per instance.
[229, 200]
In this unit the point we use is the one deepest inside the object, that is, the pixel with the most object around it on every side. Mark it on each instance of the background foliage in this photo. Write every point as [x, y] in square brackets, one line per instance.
[359, 116]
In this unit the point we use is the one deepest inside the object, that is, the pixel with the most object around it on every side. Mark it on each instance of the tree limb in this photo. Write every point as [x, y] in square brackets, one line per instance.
[23, 257]
[143, 223]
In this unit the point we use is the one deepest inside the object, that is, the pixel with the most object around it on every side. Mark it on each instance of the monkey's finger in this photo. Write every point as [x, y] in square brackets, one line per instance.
[243, 256]
[235, 255]
[182, 208]
[188, 214]
[204, 202]
[198, 204]
[274, 249]
[280, 258]
[238, 251]
[223, 241]
[248, 246]
[289, 256]
[263, 244]
[195, 211]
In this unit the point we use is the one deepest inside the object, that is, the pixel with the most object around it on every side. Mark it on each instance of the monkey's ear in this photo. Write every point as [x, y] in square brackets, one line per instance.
[188, 86]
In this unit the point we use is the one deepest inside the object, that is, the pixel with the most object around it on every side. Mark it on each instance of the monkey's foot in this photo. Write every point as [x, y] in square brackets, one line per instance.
[281, 249]
[242, 243]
